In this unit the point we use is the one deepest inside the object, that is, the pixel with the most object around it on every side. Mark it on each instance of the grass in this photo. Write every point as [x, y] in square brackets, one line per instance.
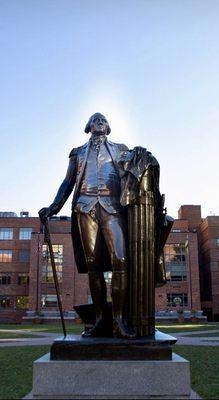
[53, 328]
[78, 328]
[186, 327]
[204, 368]
[17, 363]
[13, 335]
[16, 370]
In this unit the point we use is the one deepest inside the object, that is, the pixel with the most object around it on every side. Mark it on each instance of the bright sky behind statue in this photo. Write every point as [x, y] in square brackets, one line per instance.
[150, 66]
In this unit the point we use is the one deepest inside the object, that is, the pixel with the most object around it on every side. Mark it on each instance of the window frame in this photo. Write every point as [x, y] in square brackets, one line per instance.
[3, 231]
[22, 232]
[3, 253]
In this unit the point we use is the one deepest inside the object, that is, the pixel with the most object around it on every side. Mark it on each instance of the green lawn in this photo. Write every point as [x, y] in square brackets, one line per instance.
[78, 328]
[187, 327]
[204, 368]
[71, 328]
[14, 335]
[16, 369]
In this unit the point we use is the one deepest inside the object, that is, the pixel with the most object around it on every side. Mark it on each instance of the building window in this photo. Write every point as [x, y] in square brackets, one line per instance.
[217, 242]
[89, 299]
[6, 233]
[49, 301]
[175, 261]
[108, 276]
[5, 279]
[23, 279]
[177, 298]
[24, 255]
[25, 233]
[5, 255]
[22, 302]
[47, 274]
[5, 302]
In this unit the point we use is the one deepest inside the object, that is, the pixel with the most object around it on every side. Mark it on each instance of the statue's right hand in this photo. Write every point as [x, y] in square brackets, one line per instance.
[45, 213]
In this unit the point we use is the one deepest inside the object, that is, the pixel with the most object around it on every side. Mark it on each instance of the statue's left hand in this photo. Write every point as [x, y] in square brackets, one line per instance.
[139, 150]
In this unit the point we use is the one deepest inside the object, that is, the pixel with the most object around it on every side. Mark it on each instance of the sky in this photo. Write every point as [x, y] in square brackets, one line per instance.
[150, 66]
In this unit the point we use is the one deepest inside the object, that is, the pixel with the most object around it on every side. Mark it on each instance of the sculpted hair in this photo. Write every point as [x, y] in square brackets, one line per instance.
[87, 127]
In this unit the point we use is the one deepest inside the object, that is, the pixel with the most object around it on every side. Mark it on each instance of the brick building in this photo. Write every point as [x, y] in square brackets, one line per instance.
[209, 266]
[15, 235]
[182, 267]
[26, 281]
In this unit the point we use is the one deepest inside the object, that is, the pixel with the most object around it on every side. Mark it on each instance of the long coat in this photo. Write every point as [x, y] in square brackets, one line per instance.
[130, 167]
[77, 162]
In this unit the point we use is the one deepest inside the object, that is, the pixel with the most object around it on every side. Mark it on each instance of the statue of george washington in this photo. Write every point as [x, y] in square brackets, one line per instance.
[109, 183]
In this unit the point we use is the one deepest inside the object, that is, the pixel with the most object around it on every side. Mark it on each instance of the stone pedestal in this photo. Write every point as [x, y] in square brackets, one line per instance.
[73, 347]
[96, 379]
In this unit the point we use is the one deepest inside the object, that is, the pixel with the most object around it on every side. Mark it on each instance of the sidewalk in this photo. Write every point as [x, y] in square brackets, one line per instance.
[183, 339]
[47, 338]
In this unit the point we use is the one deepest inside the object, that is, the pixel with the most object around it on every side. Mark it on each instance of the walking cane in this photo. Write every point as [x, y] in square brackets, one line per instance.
[49, 243]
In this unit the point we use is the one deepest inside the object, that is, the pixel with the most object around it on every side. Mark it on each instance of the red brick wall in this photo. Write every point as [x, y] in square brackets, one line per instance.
[15, 267]
[192, 213]
[209, 264]
[180, 234]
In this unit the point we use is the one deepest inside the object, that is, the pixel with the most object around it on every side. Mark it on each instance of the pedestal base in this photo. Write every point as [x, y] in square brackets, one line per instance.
[158, 347]
[166, 379]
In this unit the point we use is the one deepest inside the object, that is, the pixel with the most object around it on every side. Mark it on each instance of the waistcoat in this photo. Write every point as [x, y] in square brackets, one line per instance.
[100, 181]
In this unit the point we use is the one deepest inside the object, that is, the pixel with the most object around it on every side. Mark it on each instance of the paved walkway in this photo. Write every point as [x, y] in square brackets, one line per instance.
[184, 338]
[47, 338]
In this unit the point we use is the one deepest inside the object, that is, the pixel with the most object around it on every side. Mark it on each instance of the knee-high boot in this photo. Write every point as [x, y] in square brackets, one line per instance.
[119, 293]
[98, 294]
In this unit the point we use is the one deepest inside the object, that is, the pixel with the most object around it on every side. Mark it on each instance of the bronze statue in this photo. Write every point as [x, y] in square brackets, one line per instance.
[118, 224]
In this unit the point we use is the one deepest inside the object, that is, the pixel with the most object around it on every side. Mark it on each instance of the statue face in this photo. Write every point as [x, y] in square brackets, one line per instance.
[99, 125]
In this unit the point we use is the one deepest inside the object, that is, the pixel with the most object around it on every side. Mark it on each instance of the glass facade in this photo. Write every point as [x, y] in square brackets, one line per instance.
[175, 260]
[5, 255]
[6, 233]
[47, 274]
[25, 233]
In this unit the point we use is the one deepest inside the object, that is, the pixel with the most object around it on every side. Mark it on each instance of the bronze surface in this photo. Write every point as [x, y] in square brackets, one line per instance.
[118, 224]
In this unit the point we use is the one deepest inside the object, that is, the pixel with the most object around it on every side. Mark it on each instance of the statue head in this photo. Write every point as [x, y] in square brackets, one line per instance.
[98, 125]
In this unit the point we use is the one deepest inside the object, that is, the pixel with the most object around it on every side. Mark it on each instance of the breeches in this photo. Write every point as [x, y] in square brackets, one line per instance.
[95, 225]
